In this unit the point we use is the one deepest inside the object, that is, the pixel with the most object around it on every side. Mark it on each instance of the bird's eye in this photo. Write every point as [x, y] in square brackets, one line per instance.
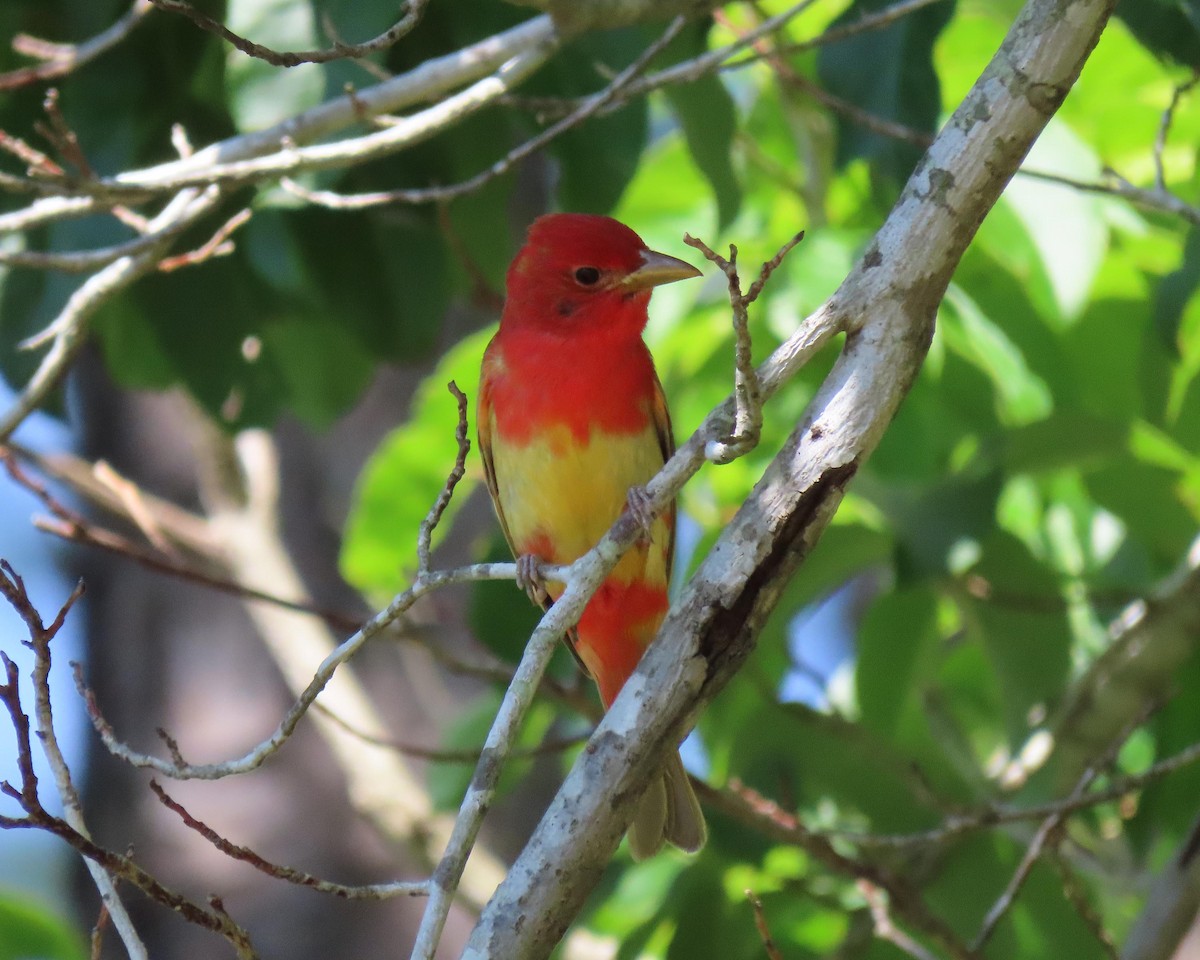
[587, 276]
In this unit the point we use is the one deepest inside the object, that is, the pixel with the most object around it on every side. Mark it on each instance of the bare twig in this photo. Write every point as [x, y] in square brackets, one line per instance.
[1162, 201]
[288, 158]
[70, 326]
[748, 417]
[60, 59]
[39, 164]
[1050, 833]
[64, 139]
[764, 931]
[958, 824]
[73, 527]
[877, 20]
[291, 58]
[1164, 130]
[748, 806]
[462, 437]
[589, 107]
[73, 828]
[885, 928]
[469, 755]
[218, 245]
[97, 936]
[1074, 892]
[372, 891]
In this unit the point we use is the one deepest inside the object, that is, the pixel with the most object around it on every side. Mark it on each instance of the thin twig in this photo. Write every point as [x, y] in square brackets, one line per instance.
[75, 528]
[589, 107]
[70, 326]
[764, 931]
[885, 928]
[288, 158]
[958, 824]
[64, 139]
[291, 58]
[1050, 833]
[60, 59]
[748, 417]
[371, 891]
[218, 245]
[258, 754]
[469, 755]
[1164, 130]
[1073, 891]
[463, 439]
[1162, 201]
[12, 588]
[764, 815]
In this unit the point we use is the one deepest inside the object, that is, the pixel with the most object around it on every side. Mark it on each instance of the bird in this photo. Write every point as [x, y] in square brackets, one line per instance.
[572, 423]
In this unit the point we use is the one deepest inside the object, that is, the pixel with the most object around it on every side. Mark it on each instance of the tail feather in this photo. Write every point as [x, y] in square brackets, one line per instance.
[669, 811]
[685, 826]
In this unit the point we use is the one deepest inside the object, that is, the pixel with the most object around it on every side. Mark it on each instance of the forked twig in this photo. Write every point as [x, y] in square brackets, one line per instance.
[747, 390]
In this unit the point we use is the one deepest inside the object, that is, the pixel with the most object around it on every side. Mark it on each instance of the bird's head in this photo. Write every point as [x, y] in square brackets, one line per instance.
[581, 272]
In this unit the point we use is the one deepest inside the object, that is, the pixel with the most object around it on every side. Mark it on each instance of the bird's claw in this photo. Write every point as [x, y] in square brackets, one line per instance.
[641, 509]
[529, 578]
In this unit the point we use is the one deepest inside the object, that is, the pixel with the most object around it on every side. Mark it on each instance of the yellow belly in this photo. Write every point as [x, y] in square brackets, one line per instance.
[560, 497]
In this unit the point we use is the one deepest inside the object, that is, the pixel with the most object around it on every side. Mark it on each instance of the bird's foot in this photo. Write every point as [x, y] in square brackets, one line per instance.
[529, 578]
[640, 508]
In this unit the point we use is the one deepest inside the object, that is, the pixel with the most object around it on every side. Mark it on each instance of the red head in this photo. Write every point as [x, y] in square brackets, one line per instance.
[582, 273]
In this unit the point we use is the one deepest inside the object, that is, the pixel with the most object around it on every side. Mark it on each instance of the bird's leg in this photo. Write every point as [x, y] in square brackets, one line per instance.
[529, 578]
[640, 508]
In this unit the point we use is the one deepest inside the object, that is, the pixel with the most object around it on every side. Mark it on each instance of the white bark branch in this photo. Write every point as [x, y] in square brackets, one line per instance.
[887, 305]
[69, 330]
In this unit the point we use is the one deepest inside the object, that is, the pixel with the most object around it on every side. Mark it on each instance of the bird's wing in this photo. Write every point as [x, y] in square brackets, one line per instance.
[666, 443]
[484, 428]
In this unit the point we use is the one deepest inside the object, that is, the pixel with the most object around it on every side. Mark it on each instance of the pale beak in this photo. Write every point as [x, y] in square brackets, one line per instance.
[657, 269]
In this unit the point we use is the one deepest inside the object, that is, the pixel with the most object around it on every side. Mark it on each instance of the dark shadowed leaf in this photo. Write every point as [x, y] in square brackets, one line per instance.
[888, 73]
[1167, 28]
[707, 114]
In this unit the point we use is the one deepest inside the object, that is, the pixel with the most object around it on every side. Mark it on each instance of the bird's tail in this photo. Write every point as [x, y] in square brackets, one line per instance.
[669, 811]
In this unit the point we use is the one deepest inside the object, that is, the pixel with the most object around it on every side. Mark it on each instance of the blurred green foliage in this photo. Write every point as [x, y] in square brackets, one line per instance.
[29, 931]
[1044, 470]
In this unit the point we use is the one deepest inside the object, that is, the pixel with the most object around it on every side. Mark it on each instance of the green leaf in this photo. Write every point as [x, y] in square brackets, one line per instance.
[1166, 808]
[260, 93]
[890, 74]
[934, 520]
[1068, 227]
[405, 474]
[1025, 630]
[1065, 438]
[22, 314]
[599, 158]
[382, 278]
[1021, 396]
[448, 782]
[706, 924]
[707, 115]
[198, 320]
[1168, 28]
[30, 931]
[1175, 292]
[501, 616]
[895, 642]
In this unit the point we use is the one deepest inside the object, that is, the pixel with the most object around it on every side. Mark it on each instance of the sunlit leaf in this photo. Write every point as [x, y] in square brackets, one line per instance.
[405, 474]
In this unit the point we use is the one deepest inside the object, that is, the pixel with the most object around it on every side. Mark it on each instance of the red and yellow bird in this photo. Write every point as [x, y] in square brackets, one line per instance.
[572, 417]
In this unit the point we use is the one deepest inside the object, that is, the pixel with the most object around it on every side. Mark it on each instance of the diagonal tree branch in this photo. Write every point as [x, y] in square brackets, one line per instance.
[887, 305]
